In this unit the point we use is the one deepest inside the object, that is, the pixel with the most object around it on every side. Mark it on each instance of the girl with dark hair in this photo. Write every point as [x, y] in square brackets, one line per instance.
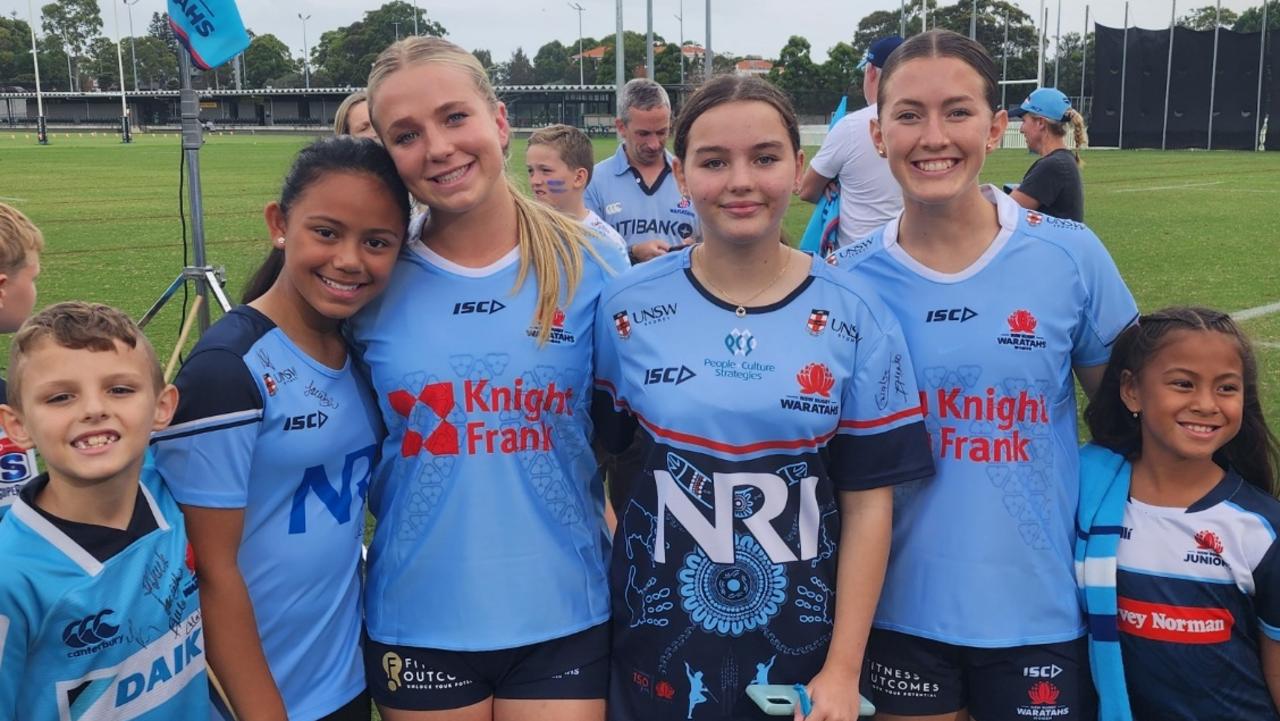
[275, 437]
[979, 614]
[1179, 558]
[777, 408]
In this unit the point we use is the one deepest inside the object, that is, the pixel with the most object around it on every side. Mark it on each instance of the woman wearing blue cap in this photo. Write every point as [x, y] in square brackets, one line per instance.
[1053, 184]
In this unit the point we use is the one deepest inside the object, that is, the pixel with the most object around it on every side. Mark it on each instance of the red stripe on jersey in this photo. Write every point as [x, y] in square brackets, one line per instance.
[723, 447]
[1174, 624]
[886, 420]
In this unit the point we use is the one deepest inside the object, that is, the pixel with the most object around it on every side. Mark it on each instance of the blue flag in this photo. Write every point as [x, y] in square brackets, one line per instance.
[821, 236]
[211, 30]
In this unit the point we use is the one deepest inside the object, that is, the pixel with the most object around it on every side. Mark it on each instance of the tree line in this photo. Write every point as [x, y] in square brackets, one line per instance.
[74, 54]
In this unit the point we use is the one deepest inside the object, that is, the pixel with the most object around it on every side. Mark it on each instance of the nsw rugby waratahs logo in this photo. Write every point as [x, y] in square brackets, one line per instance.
[1022, 332]
[1021, 321]
[1209, 541]
[1043, 693]
[815, 379]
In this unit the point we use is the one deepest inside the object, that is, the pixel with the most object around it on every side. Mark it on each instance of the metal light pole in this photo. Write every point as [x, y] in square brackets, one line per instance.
[902, 18]
[581, 60]
[924, 14]
[707, 57]
[397, 26]
[1168, 73]
[680, 18]
[133, 50]
[306, 52]
[1124, 73]
[125, 135]
[42, 134]
[1004, 72]
[1213, 77]
[1084, 54]
[1043, 17]
[973, 21]
[619, 61]
[1057, 45]
[648, 41]
[1257, 113]
[415, 21]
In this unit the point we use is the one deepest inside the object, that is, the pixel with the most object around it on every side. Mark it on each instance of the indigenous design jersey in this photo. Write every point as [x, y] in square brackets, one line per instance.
[490, 530]
[639, 213]
[1196, 588]
[993, 347]
[89, 640]
[264, 427]
[17, 466]
[724, 561]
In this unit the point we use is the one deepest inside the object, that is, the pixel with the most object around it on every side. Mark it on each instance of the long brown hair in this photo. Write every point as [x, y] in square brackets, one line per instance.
[723, 89]
[943, 44]
[551, 244]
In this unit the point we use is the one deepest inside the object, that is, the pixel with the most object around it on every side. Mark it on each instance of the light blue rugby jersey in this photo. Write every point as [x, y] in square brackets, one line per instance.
[724, 563]
[993, 347]
[639, 213]
[490, 530]
[264, 427]
[87, 640]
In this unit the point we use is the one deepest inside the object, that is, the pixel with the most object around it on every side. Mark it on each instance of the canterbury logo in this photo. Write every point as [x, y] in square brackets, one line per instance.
[90, 631]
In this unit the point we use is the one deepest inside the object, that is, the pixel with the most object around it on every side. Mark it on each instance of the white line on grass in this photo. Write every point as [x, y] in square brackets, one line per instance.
[1267, 344]
[1258, 312]
[8, 199]
[1168, 187]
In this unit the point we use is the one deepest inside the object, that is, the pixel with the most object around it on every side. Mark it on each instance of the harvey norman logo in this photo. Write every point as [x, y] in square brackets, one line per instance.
[1191, 625]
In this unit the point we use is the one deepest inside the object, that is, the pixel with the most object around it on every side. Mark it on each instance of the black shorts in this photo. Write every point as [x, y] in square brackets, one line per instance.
[357, 710]
[908, 675]
[423, 679]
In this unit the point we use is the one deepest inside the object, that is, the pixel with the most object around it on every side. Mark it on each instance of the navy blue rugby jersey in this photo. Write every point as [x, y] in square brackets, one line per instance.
[724, 562]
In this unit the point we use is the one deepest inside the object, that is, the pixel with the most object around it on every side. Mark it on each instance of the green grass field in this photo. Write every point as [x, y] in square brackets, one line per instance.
[1184, 227]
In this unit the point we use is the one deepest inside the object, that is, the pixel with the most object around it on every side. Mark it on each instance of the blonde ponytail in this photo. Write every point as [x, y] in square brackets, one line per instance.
[551, 244]
[1078, 133]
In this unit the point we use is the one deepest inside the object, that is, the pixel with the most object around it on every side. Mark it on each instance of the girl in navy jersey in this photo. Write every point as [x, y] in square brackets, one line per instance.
[274, 443]
[777, 407]
[486, 594]
[999, 304]
[1181, 568]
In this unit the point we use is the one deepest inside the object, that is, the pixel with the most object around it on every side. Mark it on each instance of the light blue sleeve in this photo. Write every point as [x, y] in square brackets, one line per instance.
[1108, 306]
[614, 425]
[206, 454]
[591, 198]
[14, 639]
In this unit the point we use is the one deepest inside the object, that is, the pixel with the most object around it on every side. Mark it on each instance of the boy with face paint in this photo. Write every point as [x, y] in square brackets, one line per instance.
[560, 161]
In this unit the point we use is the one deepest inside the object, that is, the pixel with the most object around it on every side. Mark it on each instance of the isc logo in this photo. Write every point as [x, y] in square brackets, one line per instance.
[310, 420]
[943, 315]
[667, 375]
[1041, 671]
[484, 307]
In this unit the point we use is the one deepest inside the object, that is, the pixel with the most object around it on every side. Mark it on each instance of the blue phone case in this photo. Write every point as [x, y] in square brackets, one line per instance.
[781, 700]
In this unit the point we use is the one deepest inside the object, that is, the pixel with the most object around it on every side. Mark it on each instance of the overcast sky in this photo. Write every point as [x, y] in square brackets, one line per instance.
[742, 27]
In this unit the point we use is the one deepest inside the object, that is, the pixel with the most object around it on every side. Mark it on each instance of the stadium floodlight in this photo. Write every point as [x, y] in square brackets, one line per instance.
[42, 132]
[133, 50]
[581, 60]
[306, 60]
[648, 42]
[708, 57]
[125, 135]
[680, 19]
[619, 66]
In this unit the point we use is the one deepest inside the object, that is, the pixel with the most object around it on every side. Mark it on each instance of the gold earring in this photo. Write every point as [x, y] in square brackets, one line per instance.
[280, 242]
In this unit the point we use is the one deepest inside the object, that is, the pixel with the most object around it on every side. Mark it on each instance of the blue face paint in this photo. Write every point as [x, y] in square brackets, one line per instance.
[556, 186]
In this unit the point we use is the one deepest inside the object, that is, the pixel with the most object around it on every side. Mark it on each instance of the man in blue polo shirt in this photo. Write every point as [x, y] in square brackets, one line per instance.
[634, 190]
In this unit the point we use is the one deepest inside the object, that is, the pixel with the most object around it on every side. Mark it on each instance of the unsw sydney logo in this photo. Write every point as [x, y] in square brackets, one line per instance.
[500, 434]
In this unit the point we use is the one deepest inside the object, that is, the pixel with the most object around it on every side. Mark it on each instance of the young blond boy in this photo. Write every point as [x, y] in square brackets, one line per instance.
[20, 247]
[560, 161]
[99, 611]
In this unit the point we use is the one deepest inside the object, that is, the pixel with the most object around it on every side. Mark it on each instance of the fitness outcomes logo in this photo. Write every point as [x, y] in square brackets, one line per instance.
[411, 675]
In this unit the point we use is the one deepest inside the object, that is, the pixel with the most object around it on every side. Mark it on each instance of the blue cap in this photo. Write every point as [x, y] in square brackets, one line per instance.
[880, 51]
[1048, 103]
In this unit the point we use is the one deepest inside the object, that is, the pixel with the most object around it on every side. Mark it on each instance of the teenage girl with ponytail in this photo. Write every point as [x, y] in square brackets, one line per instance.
[487, 594]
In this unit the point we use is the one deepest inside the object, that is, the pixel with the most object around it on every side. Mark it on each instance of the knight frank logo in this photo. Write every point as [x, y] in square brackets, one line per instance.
[489, 426]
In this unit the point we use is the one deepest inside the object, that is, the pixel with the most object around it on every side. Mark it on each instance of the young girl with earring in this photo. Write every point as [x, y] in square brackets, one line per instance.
[777, 408]
[979, 615]
[274, 441]
[486, 595]
[1177, 552]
